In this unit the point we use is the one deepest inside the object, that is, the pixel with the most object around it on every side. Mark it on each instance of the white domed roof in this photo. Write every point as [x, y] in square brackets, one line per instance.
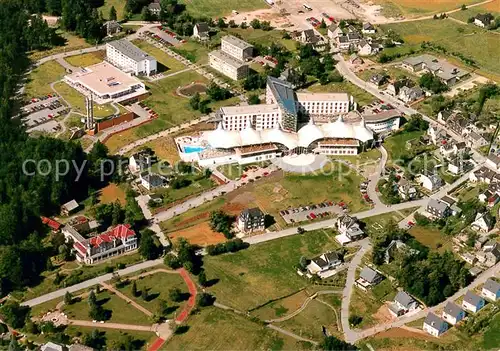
[309, 134]
[339, 129]
[277, 135]
[362, 132]
[250, 136]
[222, 139]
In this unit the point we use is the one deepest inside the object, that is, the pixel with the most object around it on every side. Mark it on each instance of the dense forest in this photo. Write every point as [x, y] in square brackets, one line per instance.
[25, 191]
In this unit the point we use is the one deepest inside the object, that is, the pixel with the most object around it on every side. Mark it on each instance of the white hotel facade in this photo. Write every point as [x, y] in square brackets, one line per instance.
[254, 133]
[231, 59]
[128, 57]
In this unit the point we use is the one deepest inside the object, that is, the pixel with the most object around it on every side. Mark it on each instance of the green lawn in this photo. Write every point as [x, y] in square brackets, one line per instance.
[360, 96]
[471, 41]
[417, 8]
[197, 186]
[172, 224]
[265, 38]
[87, 59]
[168, 63]
[366, 304]
[491, 337]
[310, 321]
[119, 310]
[431, 237]
[142, 340]
[158, 286]
[77, 101]
[193, 51]
[38, 82]
[71, 42]
[119, 7]
[265, 271]
[215, 8]
[376, 223]
[396, 144]
[224, 330]
[473, 11]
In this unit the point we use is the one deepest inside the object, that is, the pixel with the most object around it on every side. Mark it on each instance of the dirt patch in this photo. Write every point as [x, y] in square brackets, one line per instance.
[191, 89]
[383, 315]
[403, 333]
[112, 193]
[199, 234]
[493, 6]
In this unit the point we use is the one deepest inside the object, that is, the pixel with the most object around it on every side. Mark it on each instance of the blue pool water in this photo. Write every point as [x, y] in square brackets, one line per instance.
[191, 149]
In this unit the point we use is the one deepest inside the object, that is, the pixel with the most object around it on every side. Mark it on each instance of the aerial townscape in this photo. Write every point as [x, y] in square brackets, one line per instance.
[249, 175]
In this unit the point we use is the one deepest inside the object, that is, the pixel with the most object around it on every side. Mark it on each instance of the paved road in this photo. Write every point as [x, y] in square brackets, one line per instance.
[91, 282]
[346, 294]
[375, 177]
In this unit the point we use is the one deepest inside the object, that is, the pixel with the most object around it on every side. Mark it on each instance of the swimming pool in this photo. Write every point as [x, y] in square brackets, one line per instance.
[190, 149]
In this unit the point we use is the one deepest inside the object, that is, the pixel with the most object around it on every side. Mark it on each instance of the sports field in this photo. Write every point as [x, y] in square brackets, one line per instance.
[470, 41]
[215, 8]
[416, 8]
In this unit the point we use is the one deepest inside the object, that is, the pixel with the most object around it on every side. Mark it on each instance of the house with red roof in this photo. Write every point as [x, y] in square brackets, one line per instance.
[114, 242]
[52, 224]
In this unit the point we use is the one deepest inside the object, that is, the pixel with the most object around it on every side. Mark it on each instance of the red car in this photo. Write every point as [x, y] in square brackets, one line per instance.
[312, 215]
[243, 176]
[265, 174]
[411, 224]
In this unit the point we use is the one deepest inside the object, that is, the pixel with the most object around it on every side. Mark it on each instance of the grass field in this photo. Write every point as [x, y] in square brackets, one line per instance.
[471, 41]
[310, 322]
[396, 145]
[120, 311]
[142, 340]
[265, 271]
[193, 51]
[112, 193]
[215, 8]
[432, 238]
[119, 7]
[197, 186]
[158, 286]
[87, 59]
[224, 330]
[72, 42]
[360, 96]
[265, 38]
[38, 82]
[77, 101]
[168, 63]
[282, 307]
[416, 8]
[376, 223]
[492, 7]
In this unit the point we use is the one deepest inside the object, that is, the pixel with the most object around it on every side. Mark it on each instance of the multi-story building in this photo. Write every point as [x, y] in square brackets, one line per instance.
[228, 65]
[128, 57]
[323, 104]
[241, 117]
[116, 241]
[236, 47]
[251, 219]
[230, 59]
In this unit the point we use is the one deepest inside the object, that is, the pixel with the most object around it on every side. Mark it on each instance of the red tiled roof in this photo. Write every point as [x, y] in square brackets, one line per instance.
[80, 248]
[121, 231]
[51, 223]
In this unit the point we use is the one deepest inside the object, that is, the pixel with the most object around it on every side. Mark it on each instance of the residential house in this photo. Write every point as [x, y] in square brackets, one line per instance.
[349, 227]
[456, 166]
[472, 302]
[378, 79]
[116, 241]
[201, 31]
[438, 209]
[490, 196]
[438, 135]
[69, 208]
[475, 271]
[444, 115]
[408, 95]
[490, 254]
[368, 278]
[51, 223]
[368, 28]
[406, 190]
[469, 258]
[447, 150]
[434, 325]
[112, 27]
[396, 246]
[482, 175]
[356, 60]
[324, 262]
[484, 222]
[141, 161]
[152, 181]
[366, 48]
[454, 209]
[334, 31]
[452, 313]
[343, 43]
[430, 182]
[402, 304]
[251, 219]
[447, 73]
[483, 19]
[476, 140]
[354, 37]
[491, 290]
[308, 37]
[155, 8]
[51, 346]
[394, 88]
[457, 123]
[493, 161]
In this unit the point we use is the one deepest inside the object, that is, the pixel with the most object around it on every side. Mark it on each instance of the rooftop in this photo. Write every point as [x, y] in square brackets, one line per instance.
[472, 298]
[130, 50]
[308, 96]
[231, 39]
[246, 109]
[230, 60]
[434, 321]
[452, 309]
[492, 285]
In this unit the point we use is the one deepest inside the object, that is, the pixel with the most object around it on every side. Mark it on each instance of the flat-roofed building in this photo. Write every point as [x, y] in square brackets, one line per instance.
[323, 104]
[106, 83]
[383, 122]
[128, 57]
[228, 65]
[260, 116]
[236, 47]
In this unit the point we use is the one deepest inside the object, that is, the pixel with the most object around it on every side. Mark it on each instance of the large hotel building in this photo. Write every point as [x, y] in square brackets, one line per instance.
[230, 60]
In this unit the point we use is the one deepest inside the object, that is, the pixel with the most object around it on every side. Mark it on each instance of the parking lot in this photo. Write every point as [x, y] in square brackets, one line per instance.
[311, 212]
[167, 36]
[42, 110]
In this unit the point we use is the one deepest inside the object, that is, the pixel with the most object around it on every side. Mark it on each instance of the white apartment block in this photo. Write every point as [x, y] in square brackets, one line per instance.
[236, 47]
[260, 117]
[323, 104]
[128, 57]
[228, 65]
